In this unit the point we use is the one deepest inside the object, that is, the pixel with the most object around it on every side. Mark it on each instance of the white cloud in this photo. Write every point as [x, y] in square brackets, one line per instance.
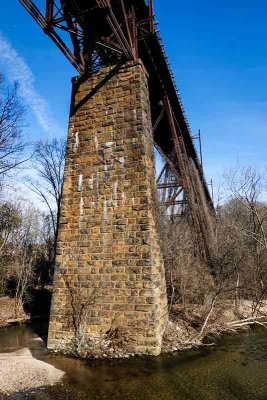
[17, 69]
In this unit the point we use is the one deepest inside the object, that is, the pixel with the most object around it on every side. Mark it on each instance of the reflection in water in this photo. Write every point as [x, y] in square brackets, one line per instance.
[237, 369]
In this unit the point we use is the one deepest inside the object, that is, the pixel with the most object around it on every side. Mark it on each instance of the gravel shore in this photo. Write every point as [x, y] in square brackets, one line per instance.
[21, 371]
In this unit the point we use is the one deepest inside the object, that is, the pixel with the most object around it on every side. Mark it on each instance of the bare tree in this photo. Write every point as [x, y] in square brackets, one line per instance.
[11, 118]
[249, 223]
[10, 220]
[21, 245]
[48, 163]
[47, 255]
[26, 241]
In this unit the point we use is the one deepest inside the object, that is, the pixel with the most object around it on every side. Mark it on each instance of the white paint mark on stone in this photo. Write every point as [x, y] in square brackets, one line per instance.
[96, 143]
[80, 183]
[121, 160]
[106, 170]
[109, 144]
[81, 205]
[105, 217]
[76, 144]
[115, 190]
[91, 183]
[97, 183]
[80, 189]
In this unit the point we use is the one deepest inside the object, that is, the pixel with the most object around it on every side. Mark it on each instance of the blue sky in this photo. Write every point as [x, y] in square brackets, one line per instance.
[218, 52]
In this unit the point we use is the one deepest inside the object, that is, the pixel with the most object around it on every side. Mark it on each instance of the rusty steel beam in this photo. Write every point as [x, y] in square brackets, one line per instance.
[49, 30]
[169, 189]
[168, 185]
[151, 17]
[49, 11]
[172, 201]
[72, 28]
[126, 22]
[157, 122]
[191, 183]
[116, 29]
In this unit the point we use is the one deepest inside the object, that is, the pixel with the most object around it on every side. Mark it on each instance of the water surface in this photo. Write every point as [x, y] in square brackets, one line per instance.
[235, 369]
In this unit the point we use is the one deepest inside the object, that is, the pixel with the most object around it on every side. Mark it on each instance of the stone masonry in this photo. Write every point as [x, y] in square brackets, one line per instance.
[109, 269]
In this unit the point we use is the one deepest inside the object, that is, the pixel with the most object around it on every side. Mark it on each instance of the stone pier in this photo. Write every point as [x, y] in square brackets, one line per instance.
[109, 270]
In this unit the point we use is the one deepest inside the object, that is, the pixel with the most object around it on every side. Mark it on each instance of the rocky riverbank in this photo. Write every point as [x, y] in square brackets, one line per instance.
[188, 327]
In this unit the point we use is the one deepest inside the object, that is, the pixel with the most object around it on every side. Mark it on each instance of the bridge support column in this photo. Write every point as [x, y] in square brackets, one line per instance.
[109, 278]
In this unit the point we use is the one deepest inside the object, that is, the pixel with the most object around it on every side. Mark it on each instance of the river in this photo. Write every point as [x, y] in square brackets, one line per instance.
[235, 369]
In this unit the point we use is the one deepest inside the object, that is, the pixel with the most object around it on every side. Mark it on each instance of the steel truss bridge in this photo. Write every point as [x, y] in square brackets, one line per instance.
[97, 33]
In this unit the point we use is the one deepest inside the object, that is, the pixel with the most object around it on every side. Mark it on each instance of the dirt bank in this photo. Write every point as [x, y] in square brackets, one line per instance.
[191, 326]
[9, 313]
